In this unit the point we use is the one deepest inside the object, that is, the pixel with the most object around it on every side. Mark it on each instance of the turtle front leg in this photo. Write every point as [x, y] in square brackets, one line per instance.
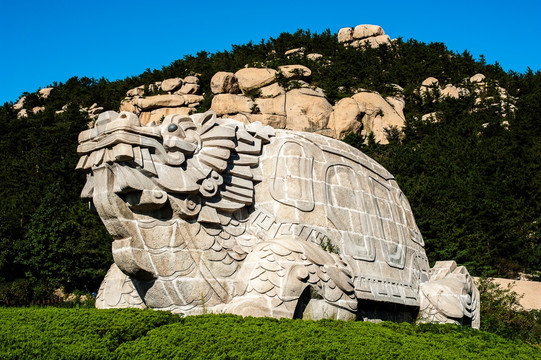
[292, 278]
[117, 291]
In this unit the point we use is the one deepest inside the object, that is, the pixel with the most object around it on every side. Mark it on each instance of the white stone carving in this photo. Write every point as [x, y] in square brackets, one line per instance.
[213, 215]
[450, 296]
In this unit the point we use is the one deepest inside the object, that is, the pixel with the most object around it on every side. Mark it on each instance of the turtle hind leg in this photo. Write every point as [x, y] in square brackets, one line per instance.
[312, 306]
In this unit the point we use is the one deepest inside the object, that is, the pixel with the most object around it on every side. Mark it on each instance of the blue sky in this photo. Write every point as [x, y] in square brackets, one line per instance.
[46, 41]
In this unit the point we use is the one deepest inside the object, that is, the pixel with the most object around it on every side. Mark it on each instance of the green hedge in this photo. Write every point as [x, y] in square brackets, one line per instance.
[54, 333]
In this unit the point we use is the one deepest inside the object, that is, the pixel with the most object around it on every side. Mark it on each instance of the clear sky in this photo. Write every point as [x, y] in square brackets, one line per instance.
[53, 40]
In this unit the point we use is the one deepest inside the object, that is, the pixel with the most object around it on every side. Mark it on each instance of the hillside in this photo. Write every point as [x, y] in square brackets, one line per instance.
[464, 148]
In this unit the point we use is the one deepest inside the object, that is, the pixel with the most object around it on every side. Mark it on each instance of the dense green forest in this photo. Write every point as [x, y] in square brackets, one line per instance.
[472, 177]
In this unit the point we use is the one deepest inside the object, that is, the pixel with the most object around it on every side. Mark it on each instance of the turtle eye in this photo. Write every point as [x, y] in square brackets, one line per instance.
[172, 127]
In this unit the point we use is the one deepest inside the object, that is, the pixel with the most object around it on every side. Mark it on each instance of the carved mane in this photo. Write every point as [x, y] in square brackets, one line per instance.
[205, 167]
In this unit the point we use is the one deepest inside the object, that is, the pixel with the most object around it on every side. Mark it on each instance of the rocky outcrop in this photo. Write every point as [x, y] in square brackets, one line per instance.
[190, 86]
[93, 111]
[19, 104]
[172, 84]
[44, 93]
[363, 35]
[307, 110]
[346, 117]
[156, 115]
[138, 91]
[254, 94]
[22, 114]
[432, 90]
[433, 116]
[294, 52]
[367, 112]
[345, 35]
[314, 56]
[295, 71]
[366, 31]
[224, 83]
[272, 105]
[254, 78]
[430, 81]
[266, 101]
[451, 91]
[226, 104]
[271, 90]
[170, 96]
[477, 78]
[158, 101]
[380, 115]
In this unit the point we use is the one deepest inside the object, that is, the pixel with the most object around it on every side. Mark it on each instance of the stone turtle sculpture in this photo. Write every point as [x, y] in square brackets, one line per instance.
[212, 215]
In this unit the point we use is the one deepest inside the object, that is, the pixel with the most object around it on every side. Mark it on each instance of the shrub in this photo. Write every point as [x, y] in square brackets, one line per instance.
[502, 314]
[37, 333]
[54, 333]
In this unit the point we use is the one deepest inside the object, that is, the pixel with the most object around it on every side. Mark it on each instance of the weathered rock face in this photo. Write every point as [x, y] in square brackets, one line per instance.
[190, 86]
[253, 78]
[181, 98]
[270, 104]
[372, 42]
[138, 91]
[430, 81]
[37, 109]
[224, 83]
[19, 104]
[370, 35]
[450, 91]
[345, 35]
[272, 90]
[366, 31]
[347, 117]
[367, 112]
[224, 104]
[157, 101]
[303, 108]
[294, 52]
[314, 56]
[295, 71]
[157, 115]
[274, 106]
[379, 114]
[477, 78]
[22, 114]
[44, 93]
[214, 215]
[307, 110]
[172, 84]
